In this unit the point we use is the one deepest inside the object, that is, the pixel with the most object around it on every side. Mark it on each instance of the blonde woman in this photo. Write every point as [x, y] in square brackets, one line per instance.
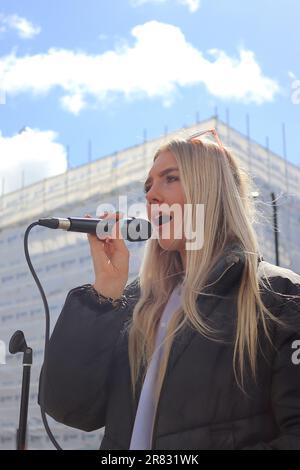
[200, 351]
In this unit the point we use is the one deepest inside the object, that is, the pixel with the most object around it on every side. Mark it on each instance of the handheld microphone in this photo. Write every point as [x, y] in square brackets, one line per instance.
[132, 229]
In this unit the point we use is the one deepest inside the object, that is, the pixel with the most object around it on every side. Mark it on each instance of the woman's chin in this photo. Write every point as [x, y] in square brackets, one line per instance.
[169, 244]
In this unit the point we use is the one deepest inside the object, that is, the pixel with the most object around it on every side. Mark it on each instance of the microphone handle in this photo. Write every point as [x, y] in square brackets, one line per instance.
[132, 229]
[80, 224]
[84, 225]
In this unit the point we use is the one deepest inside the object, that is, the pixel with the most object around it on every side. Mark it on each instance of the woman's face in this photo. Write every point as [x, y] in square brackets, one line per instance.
[163, 189]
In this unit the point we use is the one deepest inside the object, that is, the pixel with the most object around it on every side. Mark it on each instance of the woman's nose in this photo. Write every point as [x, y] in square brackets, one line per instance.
[154, 195]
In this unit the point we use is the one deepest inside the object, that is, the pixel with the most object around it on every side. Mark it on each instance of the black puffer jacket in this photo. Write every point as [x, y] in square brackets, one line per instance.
[200, 406]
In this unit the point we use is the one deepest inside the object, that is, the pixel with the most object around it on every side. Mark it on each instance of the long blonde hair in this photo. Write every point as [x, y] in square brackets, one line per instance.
[215, 179]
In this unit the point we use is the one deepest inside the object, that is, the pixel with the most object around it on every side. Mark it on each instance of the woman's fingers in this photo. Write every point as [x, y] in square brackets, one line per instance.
[114, 239]
[110, 256]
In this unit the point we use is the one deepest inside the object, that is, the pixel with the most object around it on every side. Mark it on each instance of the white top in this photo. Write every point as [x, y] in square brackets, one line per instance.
[142, 430]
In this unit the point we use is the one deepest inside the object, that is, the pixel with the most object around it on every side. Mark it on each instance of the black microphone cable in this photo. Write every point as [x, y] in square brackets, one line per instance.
[47, 335]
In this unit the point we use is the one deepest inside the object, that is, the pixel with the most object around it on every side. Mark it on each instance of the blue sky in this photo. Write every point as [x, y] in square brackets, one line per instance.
[80, 70]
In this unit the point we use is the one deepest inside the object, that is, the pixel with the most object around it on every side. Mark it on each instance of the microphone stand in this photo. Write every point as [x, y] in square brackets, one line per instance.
[18, 344]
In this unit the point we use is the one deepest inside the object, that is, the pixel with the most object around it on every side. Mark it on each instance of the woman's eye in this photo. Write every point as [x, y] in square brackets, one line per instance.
[173, 178]
[170, 179]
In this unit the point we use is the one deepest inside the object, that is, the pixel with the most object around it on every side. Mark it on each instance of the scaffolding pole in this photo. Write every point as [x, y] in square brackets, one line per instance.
[228, 127]
[249, 143]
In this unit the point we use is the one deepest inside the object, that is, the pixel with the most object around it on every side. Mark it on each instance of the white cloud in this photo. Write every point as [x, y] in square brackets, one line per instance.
[33, 155]
[192, 5]
[159, 62]
[24, 28]
[73, 103]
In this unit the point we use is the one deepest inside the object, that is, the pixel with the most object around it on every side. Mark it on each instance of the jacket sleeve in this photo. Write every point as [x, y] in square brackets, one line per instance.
[80, 353]
[285, 391]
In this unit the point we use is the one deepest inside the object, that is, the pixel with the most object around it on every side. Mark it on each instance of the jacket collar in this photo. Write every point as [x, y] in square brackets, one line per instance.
[226, 270]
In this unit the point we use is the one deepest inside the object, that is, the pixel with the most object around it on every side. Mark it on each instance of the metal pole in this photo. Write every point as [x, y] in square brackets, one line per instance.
[249, 143]
[89, 178]
[269, 159]
[287, 227]
[90, 152]
[228, 126]
[27, 361]
[2, 193]
[18, 344]
[67, 174]
[275, 228]
[216, 117]
[68, 156]
[285, 158]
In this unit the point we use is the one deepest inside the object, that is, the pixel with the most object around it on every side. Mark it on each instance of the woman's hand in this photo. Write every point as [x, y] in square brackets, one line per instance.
[110, 258]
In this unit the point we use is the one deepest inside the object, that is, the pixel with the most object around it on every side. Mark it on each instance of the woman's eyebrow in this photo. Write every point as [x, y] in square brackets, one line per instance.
[162, 173]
